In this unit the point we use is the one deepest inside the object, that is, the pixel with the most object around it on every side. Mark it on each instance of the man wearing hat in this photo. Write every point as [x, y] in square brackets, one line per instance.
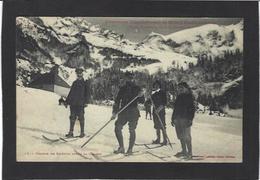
[78, 99]
[130, 115]
[183, 114]
[159, 100]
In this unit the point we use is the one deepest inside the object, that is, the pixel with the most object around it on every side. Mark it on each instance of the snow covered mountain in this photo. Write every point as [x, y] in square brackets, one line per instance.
[210, 39]
[73, 42]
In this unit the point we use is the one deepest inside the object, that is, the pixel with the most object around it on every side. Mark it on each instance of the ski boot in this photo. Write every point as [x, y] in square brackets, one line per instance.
[164, 143]
[158, 134]
[157, 141]
[81, 123]
[82, 135]
[120, 150]
[69, 135]
[129, 152]
[180, 154]
[188, 156]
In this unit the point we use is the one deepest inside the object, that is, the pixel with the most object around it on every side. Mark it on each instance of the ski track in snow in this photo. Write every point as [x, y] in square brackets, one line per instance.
[215, 139]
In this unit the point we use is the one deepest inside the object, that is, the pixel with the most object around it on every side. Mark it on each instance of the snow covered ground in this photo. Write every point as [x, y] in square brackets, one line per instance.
[214, 138]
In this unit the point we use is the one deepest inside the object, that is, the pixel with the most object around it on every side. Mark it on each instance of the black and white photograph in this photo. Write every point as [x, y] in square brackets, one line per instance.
[129, 89]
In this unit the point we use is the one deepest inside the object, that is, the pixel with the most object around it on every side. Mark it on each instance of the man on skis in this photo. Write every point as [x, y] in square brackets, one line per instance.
[182, 117]
[159, 100]
[148, 105]
[78, 99]
[129, 115]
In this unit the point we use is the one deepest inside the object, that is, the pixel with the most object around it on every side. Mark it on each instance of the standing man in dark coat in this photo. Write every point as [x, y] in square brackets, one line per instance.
[182, 117]
[130, 115]
[159, 100]
[78, 99]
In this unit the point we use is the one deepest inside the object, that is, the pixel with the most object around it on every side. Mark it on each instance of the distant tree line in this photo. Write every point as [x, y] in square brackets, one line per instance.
[106, 84]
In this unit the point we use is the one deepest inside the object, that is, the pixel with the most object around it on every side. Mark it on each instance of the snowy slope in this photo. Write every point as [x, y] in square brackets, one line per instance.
[72, 42]
[219, 88]
[228, 85]
[165, 56]
[210, 39]
[30, 28]
[215, 139]
[57, 36]
[62, 28]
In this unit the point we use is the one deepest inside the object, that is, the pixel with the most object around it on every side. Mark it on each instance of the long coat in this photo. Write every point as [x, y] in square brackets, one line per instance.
[79, 93]
[184, 109]
[159, 99]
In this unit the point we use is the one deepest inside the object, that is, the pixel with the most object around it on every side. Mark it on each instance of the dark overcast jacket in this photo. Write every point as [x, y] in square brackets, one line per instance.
[184, 108]
[126, 93]
[79, 93]
[159, 98]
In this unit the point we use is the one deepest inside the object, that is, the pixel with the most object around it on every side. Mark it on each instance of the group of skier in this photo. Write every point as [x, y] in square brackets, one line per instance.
[125, 111]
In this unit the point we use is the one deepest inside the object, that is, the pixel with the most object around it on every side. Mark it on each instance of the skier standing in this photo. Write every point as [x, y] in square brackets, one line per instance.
[159, 100]
[78, 99]
[182, 118]
[148, 105]
[130, 115]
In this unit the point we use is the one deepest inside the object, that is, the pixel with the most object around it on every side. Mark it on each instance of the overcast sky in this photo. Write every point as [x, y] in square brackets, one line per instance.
[135, 29]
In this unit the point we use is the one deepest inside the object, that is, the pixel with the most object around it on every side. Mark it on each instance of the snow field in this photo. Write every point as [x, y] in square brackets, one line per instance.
[214, 138]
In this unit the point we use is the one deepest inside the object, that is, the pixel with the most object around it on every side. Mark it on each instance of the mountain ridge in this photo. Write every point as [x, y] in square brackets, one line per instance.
[74, 42]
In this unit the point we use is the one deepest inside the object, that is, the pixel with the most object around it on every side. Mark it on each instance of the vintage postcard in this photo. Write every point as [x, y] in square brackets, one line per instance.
[129, 89]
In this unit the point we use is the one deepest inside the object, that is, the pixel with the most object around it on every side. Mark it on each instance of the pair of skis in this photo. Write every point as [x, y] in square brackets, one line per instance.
[110, 157]
[63, 139]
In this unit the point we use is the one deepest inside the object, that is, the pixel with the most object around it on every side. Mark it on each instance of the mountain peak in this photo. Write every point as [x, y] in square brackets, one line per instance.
[154, 34]
[153, 37]
[212, 39]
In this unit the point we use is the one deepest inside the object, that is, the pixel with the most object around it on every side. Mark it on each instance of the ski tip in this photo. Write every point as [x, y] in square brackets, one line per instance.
[51, 140]
[63, 139]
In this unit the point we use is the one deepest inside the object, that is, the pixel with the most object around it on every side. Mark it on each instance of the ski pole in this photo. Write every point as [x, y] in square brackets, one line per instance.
[96, 133]
[160, 120]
